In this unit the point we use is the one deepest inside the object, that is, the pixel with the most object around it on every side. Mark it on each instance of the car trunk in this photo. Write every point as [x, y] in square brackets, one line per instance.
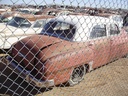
[25, 52]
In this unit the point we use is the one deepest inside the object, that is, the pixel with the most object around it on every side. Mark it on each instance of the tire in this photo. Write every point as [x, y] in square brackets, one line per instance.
[77, 75]
[126, 56]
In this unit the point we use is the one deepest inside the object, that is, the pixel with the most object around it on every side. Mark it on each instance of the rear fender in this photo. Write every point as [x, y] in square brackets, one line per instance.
[60, 67]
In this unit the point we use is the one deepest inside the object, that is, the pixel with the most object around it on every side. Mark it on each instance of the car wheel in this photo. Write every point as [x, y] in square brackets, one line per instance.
[77, 75]
[127, 56]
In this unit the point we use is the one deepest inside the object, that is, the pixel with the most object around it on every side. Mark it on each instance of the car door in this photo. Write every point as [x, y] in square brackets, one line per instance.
[116, 41]
[125, 48]
[100, 44]
[123, 40]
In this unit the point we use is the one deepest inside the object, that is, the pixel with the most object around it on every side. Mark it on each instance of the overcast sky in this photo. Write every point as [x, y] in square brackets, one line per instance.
[90, 3]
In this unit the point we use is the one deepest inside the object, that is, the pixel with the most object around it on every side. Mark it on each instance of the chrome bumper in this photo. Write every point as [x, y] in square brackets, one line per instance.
[28, 77]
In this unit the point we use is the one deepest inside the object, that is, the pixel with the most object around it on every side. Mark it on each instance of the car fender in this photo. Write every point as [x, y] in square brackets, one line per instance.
[65, 63]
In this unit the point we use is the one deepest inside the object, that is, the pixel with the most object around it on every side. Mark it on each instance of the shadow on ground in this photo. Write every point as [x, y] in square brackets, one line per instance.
[11, 84]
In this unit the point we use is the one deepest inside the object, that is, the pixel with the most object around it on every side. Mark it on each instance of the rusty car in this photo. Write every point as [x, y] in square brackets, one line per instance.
[67, 48]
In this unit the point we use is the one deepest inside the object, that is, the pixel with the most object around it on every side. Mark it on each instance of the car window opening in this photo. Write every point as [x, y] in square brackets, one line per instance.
[60, 30]
[19, 22]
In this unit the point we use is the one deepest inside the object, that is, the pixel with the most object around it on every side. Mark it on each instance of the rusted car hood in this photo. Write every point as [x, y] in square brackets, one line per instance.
[33, 44]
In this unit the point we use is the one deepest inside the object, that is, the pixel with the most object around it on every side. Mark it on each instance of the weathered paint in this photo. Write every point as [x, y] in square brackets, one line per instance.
[60, 57]
[54, 58]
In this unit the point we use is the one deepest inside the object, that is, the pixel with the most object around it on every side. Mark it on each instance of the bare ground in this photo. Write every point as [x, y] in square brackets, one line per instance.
[108, 80]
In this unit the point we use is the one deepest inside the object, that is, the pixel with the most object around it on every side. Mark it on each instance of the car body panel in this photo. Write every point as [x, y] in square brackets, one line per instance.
[50, 57]
[101, 50]
[123, 39]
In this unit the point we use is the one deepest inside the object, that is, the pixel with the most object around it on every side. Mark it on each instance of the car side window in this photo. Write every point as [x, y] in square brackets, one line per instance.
[114, 30]
[24, 23]
[64, 30]
[19, 22]
[40, 23]
[98, 31]
[62, 26]
[60, 29]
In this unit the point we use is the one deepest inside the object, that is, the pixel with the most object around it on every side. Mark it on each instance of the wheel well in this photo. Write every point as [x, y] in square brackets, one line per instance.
[87, 67]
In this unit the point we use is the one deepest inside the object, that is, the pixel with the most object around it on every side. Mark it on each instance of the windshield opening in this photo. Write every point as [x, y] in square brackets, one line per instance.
[19, 22]
[4, 19]
[60, 30]
[1, 18]
[40, 23]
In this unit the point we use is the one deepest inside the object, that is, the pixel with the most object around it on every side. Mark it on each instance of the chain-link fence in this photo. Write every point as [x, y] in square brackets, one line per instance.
[63, 47]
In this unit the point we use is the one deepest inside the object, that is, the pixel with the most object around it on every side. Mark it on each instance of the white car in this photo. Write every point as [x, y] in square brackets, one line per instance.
[118, 19]
[18, 28]
[115, 17]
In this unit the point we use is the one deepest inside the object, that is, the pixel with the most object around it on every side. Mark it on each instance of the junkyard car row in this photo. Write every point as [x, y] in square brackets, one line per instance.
[48, 50]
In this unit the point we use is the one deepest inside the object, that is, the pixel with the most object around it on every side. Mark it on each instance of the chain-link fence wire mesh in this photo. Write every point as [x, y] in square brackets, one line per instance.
[52, 48]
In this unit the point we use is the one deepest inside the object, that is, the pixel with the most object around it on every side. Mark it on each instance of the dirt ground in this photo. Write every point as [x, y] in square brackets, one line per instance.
[108, 80]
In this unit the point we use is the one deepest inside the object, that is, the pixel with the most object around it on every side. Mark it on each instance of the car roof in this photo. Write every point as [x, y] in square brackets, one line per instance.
[83, 24]
[71, 19]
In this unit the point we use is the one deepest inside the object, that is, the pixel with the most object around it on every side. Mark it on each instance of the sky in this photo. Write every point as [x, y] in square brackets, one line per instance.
[88, 3]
